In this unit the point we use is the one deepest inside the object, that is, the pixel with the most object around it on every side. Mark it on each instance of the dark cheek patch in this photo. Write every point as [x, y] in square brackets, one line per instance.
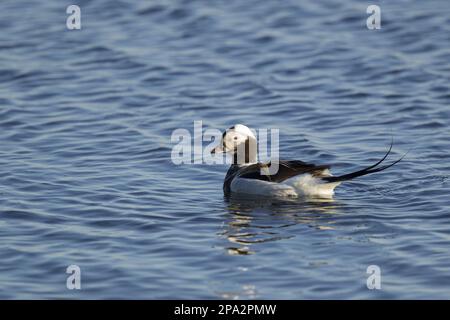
[223, 139]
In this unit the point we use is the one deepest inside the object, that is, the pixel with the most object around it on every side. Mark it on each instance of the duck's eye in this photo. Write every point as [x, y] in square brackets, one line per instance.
[235, 138]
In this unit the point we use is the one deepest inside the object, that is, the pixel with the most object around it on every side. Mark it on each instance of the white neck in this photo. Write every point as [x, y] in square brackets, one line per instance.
[246, 153]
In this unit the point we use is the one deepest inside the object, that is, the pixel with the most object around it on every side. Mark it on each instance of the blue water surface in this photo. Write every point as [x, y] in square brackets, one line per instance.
[86, 176]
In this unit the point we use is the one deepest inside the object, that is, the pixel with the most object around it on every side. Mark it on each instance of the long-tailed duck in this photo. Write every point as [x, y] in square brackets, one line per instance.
[294, 178]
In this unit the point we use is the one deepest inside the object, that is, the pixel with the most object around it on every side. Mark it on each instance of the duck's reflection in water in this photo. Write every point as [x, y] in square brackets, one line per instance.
[253, 221]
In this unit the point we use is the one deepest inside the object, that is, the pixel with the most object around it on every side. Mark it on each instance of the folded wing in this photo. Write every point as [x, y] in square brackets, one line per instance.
[286, 169]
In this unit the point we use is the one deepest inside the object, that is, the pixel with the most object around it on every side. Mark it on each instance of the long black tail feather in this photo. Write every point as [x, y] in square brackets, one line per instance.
[368, 170]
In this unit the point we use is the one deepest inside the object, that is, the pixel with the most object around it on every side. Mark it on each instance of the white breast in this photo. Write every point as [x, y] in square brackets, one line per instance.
[263, 188]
